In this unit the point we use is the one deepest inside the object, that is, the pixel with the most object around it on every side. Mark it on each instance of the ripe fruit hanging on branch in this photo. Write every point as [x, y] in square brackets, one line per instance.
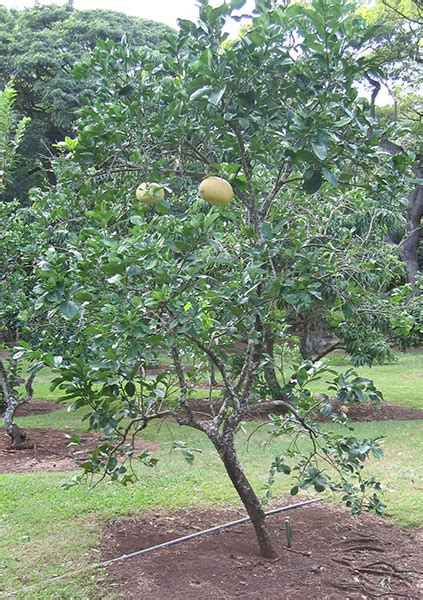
[216, 190]
[150, 193]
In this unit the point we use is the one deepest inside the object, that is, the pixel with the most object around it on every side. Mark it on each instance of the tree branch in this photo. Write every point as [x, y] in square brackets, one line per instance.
[182, 383]
[401, 14]
[219, 364]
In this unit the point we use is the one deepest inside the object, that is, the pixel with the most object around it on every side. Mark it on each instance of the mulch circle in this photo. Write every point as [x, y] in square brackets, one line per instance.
[51, 451]
[37, 407]
[387, 411]
[365, 411]
[334, 556]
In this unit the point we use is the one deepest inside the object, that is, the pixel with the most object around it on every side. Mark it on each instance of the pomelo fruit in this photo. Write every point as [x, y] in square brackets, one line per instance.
[149, 193]
[216, 190]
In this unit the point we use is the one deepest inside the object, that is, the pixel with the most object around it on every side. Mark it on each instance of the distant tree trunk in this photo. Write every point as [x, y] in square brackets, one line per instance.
[227, 453]
[316, 341]
[410, 246]
[12, 400]
[213, 380]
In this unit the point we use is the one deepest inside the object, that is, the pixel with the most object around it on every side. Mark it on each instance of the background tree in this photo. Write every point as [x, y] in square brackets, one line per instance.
[277, 114]
[12, 132]
[396, 58]
[13, 277]
[38, 48]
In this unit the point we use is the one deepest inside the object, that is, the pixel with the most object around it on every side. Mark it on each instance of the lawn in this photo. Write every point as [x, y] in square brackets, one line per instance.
[400, 381]
[46, 531]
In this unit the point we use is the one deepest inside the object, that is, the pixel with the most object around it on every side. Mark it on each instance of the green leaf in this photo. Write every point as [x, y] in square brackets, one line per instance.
[216, 96]
[130, 388]
[201, 92]
[113, 267]
[237, 4]
[312, 181]
[330, 177]
[320, 150]
[69, 309]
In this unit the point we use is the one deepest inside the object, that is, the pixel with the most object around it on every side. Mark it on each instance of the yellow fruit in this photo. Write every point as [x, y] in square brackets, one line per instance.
[216, 190]
[149, 193]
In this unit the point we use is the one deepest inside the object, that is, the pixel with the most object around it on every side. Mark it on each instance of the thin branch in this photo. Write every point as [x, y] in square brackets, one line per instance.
[401, 14]
[197, 152]
[219, 364]
[182, 383]
[337, 346]
[376, 89]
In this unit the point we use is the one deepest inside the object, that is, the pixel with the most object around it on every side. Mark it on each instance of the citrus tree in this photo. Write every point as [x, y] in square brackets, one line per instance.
[210, 200]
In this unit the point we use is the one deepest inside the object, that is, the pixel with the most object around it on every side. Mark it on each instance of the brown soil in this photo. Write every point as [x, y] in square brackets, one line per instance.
[387, 411]
[37, 407]
[51, 451]
[360, 412]
[334, 556]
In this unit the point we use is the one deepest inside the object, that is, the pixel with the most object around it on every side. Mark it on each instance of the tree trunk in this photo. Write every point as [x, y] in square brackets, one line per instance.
[17, 435]
[270, 373]
[12, 401]
[410, 247]
[316, 341]
[227, 453]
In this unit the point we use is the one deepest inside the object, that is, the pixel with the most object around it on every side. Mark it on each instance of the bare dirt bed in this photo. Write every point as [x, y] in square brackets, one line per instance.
[37, 407]
[334, 556]
[387, 411]
[360, 412]
[51, 451]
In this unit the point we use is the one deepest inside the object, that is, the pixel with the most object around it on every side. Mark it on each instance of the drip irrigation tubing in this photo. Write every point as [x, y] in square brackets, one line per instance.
[168, 544]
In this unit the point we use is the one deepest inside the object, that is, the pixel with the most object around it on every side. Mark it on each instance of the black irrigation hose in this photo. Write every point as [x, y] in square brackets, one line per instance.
[185, 538]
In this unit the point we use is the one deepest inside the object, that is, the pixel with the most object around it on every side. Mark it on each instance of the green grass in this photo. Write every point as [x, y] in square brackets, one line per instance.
[400, 381]
[45, 530]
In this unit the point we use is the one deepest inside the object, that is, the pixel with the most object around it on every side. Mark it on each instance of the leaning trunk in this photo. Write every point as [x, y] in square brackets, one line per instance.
[252, 504]
[12, 401]
[17, 435]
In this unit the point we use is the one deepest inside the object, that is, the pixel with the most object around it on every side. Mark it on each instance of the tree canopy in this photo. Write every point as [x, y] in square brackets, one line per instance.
[39, 47]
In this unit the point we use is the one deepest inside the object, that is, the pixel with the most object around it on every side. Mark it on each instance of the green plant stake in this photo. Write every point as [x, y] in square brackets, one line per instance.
[288, 532]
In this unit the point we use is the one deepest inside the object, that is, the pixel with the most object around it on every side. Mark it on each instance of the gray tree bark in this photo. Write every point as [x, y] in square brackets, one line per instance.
[12, 401]
[227, 453]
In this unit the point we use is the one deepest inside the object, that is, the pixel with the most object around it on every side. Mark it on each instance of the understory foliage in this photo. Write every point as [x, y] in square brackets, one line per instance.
[11, 133]
[276, 112]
